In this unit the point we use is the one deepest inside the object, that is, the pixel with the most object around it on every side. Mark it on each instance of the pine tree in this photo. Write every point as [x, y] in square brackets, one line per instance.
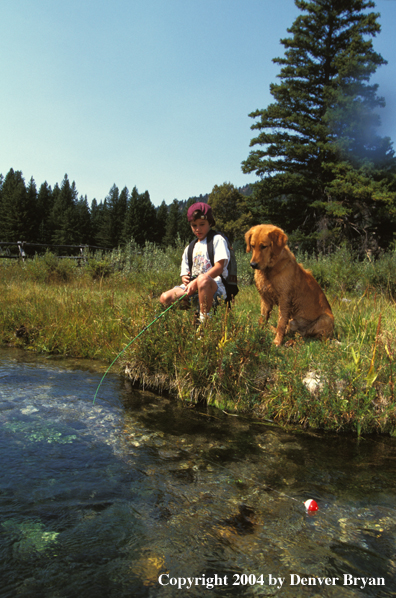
[172, 223]
[129, 228]
[318, 142]
[161, 217]
[94, 221]
[140, 220]
[15, 210]
[120, 215]
[83, 221]
[100, 224]
[112, 225]
[44, 209]
[64, 214]
[112, 200]
[31, 214]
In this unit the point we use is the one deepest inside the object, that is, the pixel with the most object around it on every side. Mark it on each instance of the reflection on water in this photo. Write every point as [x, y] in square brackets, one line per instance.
[101, 500]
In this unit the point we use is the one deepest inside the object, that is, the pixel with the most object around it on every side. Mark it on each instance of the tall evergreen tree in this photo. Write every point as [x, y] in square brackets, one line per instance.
[95, 220]
[83, 221]
[31, 223]
[161, 217]
[172, 223]
[100, 215]
[129, 228]
[15, 220]
[52, 223]
[112, 200]
[64, 214]
[120, 215]
[140, 220]
[114, 221]
[44, 209]
[317, 145]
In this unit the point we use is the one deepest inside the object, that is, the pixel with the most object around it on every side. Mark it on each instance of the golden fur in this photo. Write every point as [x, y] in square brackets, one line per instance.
[281, 281]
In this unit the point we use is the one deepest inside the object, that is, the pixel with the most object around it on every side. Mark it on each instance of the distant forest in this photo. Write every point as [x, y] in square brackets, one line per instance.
[59, 216]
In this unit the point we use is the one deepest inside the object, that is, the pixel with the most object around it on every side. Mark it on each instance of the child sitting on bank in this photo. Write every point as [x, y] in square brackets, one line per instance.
[204, 281]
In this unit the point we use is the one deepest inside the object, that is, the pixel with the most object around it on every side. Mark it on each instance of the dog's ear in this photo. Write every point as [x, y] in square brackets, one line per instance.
[248, 237]
[278, 238]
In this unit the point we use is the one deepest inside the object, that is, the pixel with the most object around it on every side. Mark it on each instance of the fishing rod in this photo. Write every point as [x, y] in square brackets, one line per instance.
[137, 336]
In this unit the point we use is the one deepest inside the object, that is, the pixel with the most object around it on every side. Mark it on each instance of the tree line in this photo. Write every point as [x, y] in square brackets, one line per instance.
[59, 216]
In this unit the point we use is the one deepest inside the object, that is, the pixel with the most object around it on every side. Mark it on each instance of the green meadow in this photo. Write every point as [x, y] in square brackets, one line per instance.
[93, 310]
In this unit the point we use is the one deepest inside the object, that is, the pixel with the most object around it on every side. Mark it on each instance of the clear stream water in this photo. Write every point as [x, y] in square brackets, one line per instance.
[136, 494]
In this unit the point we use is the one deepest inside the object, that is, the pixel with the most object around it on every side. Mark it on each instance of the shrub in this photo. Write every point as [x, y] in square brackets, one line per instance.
[99, 268]
[50, 268]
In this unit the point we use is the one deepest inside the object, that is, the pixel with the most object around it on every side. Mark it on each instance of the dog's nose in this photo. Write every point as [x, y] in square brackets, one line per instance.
[254, 265]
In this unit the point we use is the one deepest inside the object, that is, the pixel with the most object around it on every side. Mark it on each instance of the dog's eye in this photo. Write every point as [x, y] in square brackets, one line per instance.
[263, 246]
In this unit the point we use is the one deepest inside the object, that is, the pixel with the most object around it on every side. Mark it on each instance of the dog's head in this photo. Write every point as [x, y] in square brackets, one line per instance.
[266, 242]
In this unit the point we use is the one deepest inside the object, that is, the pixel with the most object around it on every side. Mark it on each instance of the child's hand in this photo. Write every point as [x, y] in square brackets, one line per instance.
[192, 288]
[186, 279]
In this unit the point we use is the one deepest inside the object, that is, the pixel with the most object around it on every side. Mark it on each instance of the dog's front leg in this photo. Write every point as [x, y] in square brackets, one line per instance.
[266, 309]
[283, 320]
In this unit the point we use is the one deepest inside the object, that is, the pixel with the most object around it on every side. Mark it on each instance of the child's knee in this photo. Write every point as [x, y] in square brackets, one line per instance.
[164, 298]
[204, 280]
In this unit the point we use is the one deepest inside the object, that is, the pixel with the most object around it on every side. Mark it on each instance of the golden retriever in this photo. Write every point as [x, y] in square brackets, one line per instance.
[281, 281]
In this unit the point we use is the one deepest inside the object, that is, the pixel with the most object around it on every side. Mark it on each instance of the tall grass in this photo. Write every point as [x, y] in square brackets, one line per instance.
[93, 311]
[342, 273]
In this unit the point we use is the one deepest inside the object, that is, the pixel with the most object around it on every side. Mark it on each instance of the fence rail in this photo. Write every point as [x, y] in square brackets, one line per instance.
[23, 247]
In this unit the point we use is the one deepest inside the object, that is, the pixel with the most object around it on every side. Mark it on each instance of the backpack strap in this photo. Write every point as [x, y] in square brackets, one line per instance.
[190, 249]
[209, 237]
[190, 254]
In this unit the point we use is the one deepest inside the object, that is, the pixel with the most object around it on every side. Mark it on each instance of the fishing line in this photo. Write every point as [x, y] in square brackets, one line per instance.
[309, 507]
[137, 336]
[236, 460]
[244, 477]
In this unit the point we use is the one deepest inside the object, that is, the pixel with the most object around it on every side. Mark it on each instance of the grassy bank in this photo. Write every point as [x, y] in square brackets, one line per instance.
[93, 312]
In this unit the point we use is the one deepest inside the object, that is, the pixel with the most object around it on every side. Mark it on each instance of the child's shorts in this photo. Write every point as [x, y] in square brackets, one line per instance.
[194, 298]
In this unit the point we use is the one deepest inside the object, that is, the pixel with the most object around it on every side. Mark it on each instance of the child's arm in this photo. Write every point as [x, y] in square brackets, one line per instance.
[216, 270]
[185, 273]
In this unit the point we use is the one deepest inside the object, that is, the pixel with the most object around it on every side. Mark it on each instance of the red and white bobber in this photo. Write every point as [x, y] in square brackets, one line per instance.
[311, 505]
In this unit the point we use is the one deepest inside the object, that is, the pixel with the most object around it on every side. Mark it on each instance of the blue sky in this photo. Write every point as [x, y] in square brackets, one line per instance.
[152, 93]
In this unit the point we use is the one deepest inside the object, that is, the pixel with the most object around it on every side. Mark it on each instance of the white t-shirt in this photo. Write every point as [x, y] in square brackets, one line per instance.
[201, 262]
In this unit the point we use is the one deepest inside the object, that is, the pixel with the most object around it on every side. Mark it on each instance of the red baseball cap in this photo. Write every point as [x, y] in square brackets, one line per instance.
[204, 208]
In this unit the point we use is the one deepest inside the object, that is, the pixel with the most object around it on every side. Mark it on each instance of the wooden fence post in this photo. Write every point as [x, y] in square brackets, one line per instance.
[21, 250]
